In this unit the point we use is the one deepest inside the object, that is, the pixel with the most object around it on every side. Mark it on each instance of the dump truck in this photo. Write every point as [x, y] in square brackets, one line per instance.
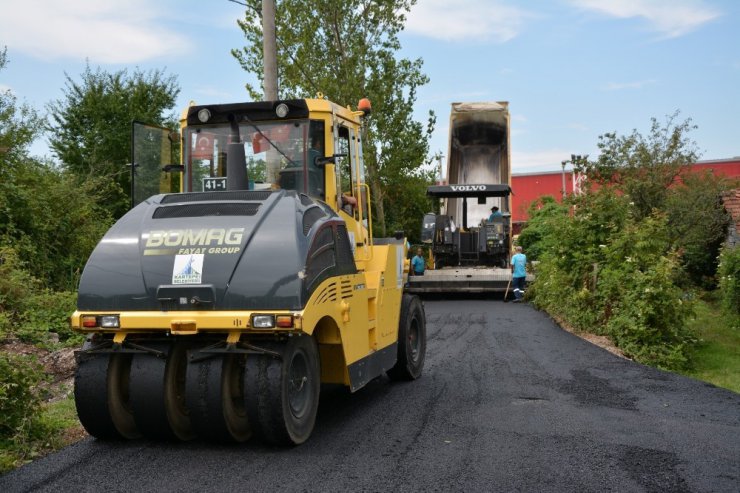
[467, 251]
[217, 310]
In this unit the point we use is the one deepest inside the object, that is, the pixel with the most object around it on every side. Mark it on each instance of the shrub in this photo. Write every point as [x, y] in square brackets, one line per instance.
[648, 316]
[545, 218]
[48, 311]
[613, 274]
[698, 223]
[28, 311]
[729, 281]
[16, 283]
[6, 327]
[19, 397]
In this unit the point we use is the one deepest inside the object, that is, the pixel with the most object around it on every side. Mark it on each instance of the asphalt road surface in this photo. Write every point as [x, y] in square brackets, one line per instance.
[508, 402]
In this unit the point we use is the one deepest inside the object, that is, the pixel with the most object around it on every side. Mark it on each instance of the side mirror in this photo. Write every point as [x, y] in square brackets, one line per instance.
[176, 168]
[323, 161]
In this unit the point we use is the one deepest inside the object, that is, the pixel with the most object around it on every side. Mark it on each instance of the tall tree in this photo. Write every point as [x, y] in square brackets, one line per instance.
[653, 171]
[347, 50]
[644, 167]
[19, 126]
[50, 233]
[90, 126]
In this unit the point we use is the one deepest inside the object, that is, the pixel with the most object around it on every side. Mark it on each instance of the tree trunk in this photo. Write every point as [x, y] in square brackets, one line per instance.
[376, 190]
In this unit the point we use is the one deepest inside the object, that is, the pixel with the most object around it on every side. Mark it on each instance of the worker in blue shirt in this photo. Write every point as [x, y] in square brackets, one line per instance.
[417, 263]
[494, 214]
[518, 273]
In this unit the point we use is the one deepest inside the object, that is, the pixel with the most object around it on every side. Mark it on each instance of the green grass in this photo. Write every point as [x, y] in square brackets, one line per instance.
[717, 358]
[50, 432]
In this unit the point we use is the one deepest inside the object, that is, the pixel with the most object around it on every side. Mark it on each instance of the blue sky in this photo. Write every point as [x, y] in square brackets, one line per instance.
[570, 69]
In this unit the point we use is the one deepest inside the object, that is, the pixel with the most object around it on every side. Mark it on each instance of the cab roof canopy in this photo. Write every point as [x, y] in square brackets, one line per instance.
[479, 191]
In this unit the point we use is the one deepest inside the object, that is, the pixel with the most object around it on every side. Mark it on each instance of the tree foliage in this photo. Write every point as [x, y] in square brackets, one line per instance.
[699, 224]
[90, 127]
[540, 235]
[653, 172]
[603, 269]
[19, 126]
[643, 167]
[50, 220]
[347, 51]
[625, 254]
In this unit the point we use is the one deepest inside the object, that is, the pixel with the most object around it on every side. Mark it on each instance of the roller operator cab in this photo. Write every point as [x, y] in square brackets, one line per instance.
[218, 312]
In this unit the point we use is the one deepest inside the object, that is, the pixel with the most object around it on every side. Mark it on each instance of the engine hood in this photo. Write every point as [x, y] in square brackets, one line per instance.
[236, 250]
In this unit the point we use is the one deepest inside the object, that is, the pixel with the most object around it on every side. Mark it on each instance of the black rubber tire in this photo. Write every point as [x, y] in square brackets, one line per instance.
[102, 396]
[158, 393]
[283, 394]
[412, 340]
[214, 395]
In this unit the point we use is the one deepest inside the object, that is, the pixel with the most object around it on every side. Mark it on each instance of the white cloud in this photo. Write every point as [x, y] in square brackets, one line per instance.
[4, 88]
[578, 126]
[671, 18]
[548, 159]
[466, 20]
[213, 92]
[103, 31]
[618, 86]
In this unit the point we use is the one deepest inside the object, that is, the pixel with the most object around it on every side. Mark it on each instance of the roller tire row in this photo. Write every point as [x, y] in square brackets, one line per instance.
[224, 398]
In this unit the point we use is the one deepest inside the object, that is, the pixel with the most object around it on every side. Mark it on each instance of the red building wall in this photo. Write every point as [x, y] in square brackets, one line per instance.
[528, 187]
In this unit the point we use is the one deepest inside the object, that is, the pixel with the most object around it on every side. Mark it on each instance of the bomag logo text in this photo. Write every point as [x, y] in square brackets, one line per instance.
[468, 188]
[194, 237]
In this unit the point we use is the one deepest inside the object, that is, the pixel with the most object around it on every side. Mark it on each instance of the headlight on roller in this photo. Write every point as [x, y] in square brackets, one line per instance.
[110, 321]
[263, 321]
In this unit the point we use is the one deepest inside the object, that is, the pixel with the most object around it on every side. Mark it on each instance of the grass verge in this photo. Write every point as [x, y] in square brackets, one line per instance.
[56, 427]
[717, 358]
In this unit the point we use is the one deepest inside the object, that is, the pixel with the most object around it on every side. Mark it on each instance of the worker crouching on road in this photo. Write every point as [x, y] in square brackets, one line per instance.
[417, 263]
[518, 273]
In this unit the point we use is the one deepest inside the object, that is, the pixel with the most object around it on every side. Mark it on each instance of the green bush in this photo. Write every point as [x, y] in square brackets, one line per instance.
[607, 272]
[545, 218]
[48, 312]
[28, 311]
[20, 400]
[648, 318]
[6, 327]
[729, 281]
[16, 283]
[698, 225]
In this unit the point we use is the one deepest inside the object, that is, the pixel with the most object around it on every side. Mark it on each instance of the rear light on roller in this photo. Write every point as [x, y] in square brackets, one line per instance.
[102, 321]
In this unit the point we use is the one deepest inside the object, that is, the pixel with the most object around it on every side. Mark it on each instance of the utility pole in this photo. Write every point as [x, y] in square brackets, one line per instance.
[269, 50]
[563, 163]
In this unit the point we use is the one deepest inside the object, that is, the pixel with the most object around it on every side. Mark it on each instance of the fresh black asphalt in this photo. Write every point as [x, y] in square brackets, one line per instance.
[508, 402]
